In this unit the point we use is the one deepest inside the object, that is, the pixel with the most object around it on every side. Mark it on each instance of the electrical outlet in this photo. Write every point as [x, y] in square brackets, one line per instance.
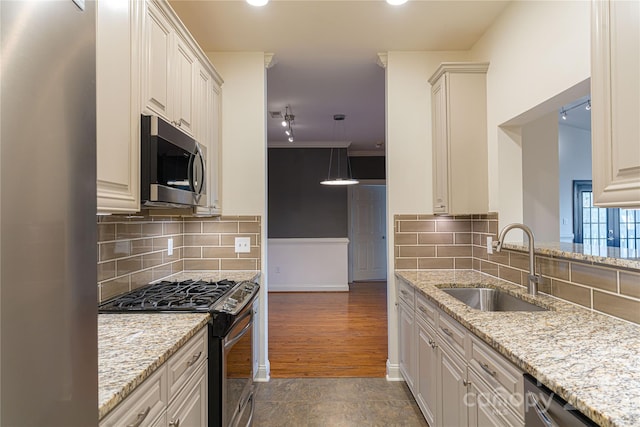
[243, 244]
[170, 247]
[489, 245]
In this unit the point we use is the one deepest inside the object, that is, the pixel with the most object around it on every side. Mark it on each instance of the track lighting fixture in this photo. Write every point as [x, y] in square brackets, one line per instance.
[564, 111]
[287, 123]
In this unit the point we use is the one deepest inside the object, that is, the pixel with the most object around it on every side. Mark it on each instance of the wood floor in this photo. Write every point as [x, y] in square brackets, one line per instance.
[329, 334]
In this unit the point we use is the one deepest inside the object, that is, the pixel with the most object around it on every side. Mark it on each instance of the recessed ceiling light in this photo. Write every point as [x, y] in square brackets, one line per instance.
[396, 2]
[259, 2]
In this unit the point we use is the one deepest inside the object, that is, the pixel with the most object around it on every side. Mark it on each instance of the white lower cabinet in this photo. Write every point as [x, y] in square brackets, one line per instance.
[174, 395]
[427, 371]
[452, 387]
[458, 380]
[190, 406]
[406, 337]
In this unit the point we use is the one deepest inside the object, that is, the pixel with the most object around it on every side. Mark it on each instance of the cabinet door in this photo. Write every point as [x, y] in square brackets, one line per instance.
[615, 100]
[215, 166]
[117, 108]
[183, 86]
[157, 51]
[452, 375]
[440, 146]
[427, 371]
[406, 320]
[190, 406]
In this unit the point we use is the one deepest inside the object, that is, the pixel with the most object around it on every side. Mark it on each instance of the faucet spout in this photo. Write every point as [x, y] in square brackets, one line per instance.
[534, 279]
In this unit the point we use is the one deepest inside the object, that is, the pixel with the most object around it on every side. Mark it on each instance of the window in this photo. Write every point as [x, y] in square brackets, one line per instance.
[601, 226]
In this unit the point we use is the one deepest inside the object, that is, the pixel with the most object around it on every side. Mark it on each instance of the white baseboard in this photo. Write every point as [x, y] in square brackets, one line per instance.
[393, 372]
[309, 288]
[263, 374]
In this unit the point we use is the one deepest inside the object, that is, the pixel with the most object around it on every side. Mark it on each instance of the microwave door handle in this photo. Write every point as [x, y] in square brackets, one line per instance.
[203, 163]
[197, 156]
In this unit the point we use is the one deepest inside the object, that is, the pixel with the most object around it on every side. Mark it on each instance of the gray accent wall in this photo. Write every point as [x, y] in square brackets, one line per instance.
[298, 205]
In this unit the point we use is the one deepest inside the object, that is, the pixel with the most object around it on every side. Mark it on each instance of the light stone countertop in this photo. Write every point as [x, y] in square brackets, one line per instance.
[615, 257]
[589, 359]
[131, 346]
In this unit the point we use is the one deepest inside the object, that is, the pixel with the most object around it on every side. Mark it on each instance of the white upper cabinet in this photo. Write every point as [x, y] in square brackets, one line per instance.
[459, 120]
[156, 53]
[615, 100]
[169, 69]
[117, 106]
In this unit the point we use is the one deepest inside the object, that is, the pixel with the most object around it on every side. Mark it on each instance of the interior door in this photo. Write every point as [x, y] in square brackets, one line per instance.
[368, 225]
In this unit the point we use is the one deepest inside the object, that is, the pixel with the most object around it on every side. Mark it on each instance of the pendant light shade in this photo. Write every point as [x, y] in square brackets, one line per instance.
[336, 175]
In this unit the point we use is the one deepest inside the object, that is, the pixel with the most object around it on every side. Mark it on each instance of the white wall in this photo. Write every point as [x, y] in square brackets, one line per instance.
[537, 49]
[408, 156]
[574, 153]
[320, 264]
[540, 177]
[243, 159]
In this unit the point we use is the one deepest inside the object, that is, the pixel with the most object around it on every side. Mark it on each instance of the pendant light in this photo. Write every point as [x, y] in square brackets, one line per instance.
[334, 177]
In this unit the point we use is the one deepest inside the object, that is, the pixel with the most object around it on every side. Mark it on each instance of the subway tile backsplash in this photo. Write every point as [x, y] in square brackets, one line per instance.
[132, 251]
[433, 242]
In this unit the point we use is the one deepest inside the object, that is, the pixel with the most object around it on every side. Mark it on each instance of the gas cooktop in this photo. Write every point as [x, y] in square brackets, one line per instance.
[187, 295]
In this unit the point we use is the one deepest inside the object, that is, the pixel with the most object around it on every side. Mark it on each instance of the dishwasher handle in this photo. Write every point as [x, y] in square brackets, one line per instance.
[540, 411]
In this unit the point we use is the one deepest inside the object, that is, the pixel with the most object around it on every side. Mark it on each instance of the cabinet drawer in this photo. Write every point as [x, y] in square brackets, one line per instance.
[426, 310]
[488, 402]
[501, 375]
[406, 292]
[452, 333]
[142, 407]
[186, 361]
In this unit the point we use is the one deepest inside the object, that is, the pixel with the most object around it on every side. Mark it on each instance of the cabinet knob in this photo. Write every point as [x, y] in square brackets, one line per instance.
[466, 383]
[175, 423]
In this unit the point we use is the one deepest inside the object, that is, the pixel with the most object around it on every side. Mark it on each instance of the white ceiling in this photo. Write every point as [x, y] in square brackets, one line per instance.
[326, 53]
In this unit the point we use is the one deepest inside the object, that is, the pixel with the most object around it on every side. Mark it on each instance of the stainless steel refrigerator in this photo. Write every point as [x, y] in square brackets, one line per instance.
[48, 303]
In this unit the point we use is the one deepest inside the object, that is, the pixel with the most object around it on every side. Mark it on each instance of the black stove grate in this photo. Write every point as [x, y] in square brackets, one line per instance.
[187, 295]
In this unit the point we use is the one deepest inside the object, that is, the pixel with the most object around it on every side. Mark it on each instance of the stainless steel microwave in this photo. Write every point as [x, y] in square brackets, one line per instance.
[172, 166]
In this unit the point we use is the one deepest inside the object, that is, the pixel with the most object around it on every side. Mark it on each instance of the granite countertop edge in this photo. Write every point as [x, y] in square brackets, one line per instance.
[113, 327]
[561, 315]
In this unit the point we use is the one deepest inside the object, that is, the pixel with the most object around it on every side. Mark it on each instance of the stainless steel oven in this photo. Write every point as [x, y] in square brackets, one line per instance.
[233, 382]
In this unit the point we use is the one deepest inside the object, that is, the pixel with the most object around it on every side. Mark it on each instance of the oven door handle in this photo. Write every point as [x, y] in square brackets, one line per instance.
[244, 330]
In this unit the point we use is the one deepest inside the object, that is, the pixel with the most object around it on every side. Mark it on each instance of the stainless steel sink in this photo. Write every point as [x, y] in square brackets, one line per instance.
[488, 299]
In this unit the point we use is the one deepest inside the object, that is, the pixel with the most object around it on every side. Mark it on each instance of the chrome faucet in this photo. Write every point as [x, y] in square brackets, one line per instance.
[534, 279]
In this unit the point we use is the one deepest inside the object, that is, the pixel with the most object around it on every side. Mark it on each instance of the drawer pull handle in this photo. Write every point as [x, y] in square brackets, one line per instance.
[487, 369]
[193, 360]
[175, 423]
[140, 417]
[466, 383]
[447, 331]
[403, 292]
[422, 309]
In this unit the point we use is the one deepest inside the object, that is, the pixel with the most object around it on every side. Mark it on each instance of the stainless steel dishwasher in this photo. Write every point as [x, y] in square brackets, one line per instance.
[543, 408]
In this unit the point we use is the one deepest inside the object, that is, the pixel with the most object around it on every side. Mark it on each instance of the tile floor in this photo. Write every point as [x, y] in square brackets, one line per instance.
[335, 402]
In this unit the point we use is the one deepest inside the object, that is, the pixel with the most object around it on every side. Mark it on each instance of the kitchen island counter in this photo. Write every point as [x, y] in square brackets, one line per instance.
[131, 346]
[589, 359]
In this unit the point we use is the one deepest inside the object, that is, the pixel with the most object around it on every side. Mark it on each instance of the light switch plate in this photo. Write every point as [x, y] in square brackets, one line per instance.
[243, 244]
[489, 245]
[170, 246]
